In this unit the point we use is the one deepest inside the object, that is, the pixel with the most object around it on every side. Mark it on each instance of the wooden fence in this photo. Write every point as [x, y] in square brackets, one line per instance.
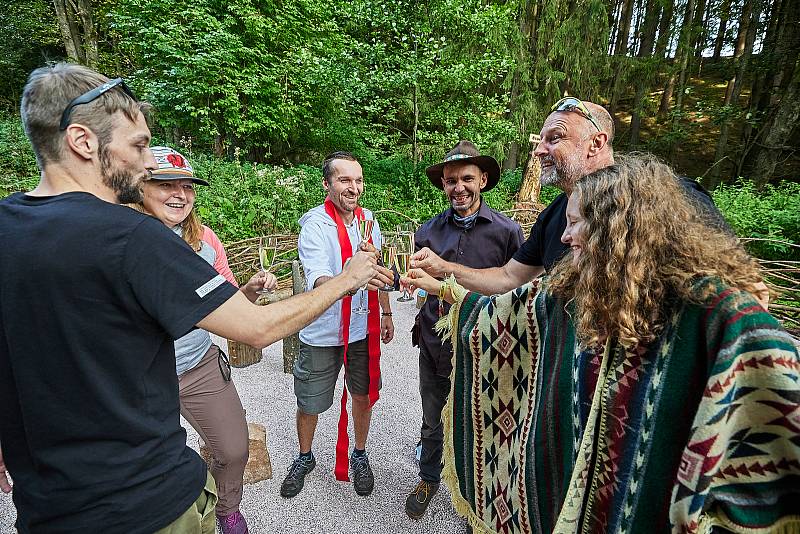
[782, 276]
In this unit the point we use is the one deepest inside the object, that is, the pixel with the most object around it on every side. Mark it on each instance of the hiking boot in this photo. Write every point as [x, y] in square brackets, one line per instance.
[419, 499]
[232, 523]
[294, 481]
[363, 479]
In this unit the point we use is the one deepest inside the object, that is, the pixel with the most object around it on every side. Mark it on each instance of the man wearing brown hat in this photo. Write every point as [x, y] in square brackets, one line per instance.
[468, 233]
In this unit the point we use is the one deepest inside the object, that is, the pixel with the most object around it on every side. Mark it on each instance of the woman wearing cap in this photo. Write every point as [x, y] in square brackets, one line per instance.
[209, 400]
[641, 388]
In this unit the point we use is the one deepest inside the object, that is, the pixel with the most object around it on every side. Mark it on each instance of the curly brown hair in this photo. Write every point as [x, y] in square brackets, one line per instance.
[646, 247]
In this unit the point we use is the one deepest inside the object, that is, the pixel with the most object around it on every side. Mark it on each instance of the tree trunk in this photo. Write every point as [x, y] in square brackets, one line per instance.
[684, 51]
[645, 50]
[663, 29]
[781, 55]
[89, 37]
[621, 48]
[778, 56]
[744, 48]
[69, 30]
[724, 14]
[765, 155]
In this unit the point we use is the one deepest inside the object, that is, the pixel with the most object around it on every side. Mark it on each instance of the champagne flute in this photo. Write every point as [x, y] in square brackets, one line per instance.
[267, 247]
[403, 260]
[365, 231]
[388, 254]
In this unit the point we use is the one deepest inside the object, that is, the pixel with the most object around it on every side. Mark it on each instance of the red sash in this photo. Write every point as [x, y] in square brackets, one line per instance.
[373, 339]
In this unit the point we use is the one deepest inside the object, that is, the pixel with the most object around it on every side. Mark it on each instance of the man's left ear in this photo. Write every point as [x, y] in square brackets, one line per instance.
[599, 141]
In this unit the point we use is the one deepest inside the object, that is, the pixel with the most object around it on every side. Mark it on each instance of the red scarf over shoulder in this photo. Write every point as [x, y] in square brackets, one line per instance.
[373, 339]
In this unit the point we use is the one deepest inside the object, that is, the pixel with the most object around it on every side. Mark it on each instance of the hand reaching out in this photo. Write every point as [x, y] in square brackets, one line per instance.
[428, 261]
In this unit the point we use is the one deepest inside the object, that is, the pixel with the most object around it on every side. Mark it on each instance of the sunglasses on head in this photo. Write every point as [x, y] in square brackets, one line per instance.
[573, 104]
[94, 94]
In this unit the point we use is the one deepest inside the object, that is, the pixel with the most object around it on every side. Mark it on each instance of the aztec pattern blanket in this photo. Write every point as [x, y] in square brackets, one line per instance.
[699, 432]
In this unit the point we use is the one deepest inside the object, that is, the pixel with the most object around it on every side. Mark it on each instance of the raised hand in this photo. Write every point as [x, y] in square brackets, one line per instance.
[419, 278]
[430, 262]
[360, 268]
[382, 278]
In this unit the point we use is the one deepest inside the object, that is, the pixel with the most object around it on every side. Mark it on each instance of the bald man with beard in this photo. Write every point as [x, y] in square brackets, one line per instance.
[576, 141]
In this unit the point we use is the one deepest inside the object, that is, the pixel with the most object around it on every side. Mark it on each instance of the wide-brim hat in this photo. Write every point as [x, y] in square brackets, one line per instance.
[465, 152]
[173, 166]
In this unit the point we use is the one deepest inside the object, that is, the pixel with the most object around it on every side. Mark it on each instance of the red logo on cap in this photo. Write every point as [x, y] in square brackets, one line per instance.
[176, 160]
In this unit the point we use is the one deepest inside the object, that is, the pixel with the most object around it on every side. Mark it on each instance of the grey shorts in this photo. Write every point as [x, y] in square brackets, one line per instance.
[317, 368]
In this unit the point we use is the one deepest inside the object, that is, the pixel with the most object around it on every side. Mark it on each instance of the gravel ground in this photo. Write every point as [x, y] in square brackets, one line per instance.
[325, 505]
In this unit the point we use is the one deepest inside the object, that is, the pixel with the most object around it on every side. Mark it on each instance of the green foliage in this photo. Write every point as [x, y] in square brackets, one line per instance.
[18, 171]
[247, 200]
[28, 35]
[773, 212]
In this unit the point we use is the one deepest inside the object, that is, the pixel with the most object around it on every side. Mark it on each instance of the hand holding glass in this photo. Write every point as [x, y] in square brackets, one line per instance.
[267, 247]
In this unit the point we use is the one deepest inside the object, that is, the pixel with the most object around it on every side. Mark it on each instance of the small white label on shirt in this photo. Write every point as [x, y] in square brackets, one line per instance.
[210, 286]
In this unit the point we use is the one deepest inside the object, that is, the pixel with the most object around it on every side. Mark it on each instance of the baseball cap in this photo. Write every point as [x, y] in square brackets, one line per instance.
[173, 166]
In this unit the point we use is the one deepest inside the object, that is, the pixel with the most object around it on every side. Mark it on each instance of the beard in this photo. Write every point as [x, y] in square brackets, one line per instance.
[126, 186]
[562, 173]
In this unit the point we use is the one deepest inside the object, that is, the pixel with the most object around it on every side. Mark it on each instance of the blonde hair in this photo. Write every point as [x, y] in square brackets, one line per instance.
[191, 227]
[646, 247]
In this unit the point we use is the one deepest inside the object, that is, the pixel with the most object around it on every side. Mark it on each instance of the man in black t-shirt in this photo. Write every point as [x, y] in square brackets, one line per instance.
[91, 298]
[576, 141]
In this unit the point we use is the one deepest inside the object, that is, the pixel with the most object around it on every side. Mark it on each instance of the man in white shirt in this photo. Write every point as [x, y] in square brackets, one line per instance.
[329, 233]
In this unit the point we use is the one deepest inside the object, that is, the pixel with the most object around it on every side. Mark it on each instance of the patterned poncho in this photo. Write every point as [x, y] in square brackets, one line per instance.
[697, 432]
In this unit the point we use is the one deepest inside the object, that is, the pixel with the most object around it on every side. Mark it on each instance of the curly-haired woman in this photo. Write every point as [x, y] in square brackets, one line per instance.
[640, 388]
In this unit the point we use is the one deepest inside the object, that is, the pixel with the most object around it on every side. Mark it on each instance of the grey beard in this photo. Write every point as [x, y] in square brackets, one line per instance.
[560, 175]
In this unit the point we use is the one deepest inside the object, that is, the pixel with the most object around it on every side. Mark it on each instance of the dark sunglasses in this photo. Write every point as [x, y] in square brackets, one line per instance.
[94, 94]
[573, 104]
[224, 366]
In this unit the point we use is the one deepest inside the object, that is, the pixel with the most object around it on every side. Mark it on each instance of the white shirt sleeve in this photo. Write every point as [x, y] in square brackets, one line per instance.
[315, 254]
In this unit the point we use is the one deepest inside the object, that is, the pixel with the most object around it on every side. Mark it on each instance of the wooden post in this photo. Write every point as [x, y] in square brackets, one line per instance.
[291, 344]
[529, 189]
[242, 355]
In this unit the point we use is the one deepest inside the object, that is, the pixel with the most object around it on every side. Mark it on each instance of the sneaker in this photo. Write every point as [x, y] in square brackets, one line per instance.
[232, 523]
[294, 481]
[419, 499]
[363, 479]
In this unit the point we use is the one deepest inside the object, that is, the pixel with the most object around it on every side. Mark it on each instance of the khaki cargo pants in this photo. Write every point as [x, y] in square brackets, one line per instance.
[199, 518]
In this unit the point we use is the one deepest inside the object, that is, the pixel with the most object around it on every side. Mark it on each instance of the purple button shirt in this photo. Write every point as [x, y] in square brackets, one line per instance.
[491, 242]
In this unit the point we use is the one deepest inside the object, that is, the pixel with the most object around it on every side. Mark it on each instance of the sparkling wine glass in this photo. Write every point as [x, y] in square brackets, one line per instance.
[388, 254]
[267, 247]
[365, 231]
[405, 249]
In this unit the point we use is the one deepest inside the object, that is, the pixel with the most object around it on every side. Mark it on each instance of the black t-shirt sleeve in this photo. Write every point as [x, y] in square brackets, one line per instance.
[542, 248]
[174, 285]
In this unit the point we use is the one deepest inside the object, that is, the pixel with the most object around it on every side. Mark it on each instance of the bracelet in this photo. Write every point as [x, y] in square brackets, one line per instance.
[384, 314]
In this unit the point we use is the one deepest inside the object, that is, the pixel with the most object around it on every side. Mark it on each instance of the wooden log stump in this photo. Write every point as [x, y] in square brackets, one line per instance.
[258, 466]
[291, 344]
[241, 354]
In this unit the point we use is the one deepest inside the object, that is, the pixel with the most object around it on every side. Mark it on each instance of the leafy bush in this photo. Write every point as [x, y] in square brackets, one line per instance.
[772, 212]
[18, 171]
[246, 200]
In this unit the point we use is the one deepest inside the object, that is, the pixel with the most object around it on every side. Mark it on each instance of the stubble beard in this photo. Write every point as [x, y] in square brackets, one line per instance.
[563, 174]
[126, 187]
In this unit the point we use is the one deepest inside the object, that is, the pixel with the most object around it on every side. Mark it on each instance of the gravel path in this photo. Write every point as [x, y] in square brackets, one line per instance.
[325, 505]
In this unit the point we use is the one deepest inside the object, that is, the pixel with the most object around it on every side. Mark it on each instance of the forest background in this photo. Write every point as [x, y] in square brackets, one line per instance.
[256, 92]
